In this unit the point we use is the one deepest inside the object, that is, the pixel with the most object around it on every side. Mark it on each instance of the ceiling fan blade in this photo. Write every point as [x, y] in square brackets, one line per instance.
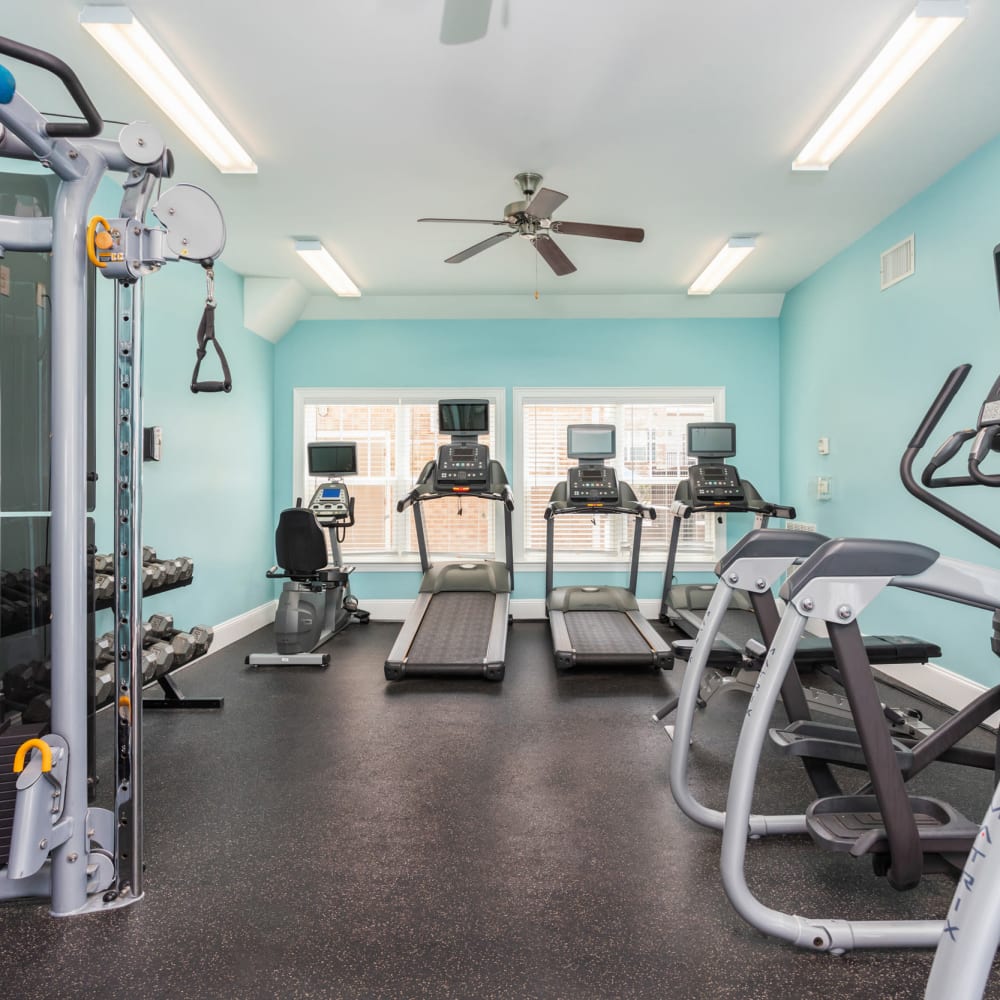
[602, 232]
[479, 248]
[485, 222]
[464, 21]
[553, 256]
[545, 202]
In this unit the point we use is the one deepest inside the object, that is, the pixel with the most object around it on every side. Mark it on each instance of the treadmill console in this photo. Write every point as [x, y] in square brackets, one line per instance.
[331, 503]
[716, 482]
[592, 484]
[463, 468]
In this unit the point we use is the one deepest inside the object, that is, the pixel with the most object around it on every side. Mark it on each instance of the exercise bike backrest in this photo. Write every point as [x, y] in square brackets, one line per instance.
[299, 543]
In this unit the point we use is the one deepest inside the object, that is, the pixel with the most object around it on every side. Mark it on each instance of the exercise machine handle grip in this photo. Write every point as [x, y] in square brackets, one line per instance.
[22, 753]
[942, 401]
[92, 123]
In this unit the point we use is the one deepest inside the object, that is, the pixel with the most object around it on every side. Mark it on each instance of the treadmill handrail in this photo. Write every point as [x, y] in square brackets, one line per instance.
[423, 491]
[637, 509]
[754, 506]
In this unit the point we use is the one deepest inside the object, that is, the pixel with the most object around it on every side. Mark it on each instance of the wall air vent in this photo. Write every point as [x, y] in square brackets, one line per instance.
[897, 262]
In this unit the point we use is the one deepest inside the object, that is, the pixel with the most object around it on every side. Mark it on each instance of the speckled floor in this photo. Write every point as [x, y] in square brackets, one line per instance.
[328, 835]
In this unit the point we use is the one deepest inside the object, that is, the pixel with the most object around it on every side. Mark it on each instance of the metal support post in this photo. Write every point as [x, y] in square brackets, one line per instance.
[128, 587]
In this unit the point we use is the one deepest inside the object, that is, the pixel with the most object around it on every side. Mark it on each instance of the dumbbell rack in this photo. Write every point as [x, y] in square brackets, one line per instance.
[174, 698]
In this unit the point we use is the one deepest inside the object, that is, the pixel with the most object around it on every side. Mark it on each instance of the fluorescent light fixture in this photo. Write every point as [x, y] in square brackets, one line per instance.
[723, 264]
[133, 48]
[931, 22]
[318, 258]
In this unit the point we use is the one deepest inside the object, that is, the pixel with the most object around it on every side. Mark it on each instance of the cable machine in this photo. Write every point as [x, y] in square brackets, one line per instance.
[87, 858]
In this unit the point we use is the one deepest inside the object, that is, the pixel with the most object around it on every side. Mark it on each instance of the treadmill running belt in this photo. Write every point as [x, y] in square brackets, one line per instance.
[604, 633]
[455, 629]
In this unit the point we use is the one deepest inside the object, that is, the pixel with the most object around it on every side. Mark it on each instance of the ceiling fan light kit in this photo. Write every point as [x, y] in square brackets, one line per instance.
[916, 39]
[531, 218]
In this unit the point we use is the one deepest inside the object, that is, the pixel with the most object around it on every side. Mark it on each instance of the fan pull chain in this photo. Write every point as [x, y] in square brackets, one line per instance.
[536, 274]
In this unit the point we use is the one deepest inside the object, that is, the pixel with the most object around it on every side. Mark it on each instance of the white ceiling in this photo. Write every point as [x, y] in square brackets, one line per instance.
[682, 118]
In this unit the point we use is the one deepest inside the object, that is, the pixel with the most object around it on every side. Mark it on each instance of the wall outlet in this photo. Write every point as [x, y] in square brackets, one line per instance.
[800, 526]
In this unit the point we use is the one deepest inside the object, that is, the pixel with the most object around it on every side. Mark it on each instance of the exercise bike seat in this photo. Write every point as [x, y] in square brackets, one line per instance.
[300, 544]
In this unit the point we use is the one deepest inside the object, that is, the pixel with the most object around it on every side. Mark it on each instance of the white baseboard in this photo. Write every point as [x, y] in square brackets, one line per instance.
[935, 683]
[237, 628]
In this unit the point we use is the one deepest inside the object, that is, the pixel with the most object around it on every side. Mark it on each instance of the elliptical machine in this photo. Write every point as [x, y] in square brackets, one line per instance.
[316, 601]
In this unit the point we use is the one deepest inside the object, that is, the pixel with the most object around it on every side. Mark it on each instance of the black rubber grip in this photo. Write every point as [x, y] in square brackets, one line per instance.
[211, 386]
[941, 402]
[93, 123]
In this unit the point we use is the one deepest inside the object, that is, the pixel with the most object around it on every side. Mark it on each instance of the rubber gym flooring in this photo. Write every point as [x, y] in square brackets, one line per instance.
[329, 835]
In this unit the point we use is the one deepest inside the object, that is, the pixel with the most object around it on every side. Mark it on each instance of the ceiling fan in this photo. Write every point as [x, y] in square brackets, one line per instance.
[532, 219]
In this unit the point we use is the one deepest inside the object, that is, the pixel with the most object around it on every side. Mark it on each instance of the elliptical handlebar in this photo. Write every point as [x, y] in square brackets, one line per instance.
[985, 437]
[92, 124]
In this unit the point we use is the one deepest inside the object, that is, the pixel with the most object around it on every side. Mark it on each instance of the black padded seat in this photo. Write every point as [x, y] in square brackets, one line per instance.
[299, 543]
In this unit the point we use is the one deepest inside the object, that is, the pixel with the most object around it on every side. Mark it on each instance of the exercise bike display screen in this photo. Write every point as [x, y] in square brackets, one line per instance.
[333, 458]
[331, 493]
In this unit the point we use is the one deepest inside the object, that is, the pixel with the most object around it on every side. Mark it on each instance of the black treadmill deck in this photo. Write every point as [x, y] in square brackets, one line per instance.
[604, 633]
[455, 629]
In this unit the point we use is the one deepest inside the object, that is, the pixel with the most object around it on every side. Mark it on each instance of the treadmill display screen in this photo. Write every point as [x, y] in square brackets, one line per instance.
[717, 440]
[464, 416]
[590, 441]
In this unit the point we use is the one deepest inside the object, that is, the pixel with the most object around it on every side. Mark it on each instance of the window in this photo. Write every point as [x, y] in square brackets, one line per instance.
[652, 458]
[396, 433]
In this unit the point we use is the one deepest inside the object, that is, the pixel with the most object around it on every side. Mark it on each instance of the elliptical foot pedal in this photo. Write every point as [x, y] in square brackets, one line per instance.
[832, 743]
[854, 824]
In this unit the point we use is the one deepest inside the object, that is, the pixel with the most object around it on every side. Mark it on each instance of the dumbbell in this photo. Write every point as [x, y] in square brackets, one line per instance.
[160, 655]
[171, 570]
[202, 636]
[36, 599]
[104, 685]
[104, 562]
[39, 709]
[182, 643]
[104, 649]
[33, 579]
[153, 576]
[104, 587]
[22, 682]
[186, 564]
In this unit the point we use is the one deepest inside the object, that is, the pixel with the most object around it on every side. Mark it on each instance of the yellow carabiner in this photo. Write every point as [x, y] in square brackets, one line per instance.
[22, 752]
[125, 708]
[98, 241]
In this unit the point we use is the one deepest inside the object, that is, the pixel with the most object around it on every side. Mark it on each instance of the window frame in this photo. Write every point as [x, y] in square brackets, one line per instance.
[383, 396]
[715, 396]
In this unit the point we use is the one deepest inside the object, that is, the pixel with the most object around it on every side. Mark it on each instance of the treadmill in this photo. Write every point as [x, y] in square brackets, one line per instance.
[598, 626]
[714, 486]
[458, 624]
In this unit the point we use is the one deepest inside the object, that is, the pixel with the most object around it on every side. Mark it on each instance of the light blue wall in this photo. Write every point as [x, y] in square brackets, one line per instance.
[741, 355]
[860, 366]
[210, 497]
